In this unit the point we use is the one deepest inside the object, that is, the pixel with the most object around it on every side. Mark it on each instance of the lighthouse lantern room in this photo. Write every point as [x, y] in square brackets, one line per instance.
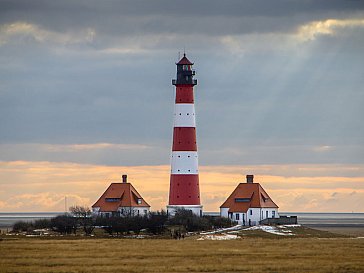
[184, 192]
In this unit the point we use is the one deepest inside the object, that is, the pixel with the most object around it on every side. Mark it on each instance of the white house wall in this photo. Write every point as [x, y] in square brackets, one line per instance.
[253, 214]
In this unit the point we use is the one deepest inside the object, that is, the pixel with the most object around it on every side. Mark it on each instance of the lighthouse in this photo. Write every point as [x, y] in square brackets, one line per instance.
[184, 191]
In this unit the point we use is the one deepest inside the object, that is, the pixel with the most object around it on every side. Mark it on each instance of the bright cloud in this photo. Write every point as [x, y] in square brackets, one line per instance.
[43, 186]
[94, 146]
[23, 31]
[327, 27]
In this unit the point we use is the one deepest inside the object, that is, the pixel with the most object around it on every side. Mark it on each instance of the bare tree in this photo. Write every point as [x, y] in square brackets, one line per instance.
[84, 217]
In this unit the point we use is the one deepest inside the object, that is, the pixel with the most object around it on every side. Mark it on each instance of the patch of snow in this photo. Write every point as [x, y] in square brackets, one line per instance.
[237, 227]
[41, 230]
[271, 229]
[218, 237]
[284, 226]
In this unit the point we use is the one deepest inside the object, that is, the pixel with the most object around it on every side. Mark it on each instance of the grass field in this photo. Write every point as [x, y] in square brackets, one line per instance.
[162, 255]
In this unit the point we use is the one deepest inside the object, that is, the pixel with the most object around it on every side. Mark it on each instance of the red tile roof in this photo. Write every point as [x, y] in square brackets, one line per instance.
[127, 194]
[254, 195]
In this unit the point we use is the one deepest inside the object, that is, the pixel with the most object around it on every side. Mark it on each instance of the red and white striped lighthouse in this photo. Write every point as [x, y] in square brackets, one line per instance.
[184, 189]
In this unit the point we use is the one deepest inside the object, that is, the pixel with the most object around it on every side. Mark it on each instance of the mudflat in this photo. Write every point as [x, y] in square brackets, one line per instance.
[163, 255]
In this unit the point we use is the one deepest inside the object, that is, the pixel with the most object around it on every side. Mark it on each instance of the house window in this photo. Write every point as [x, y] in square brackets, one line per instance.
[230, 215]
[237, 216]
[273, 213]
[266, 214]
[139, 201]
[145, 211]
[251, 212]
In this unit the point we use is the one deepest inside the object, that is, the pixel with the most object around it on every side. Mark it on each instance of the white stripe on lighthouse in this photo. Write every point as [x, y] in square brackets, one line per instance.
[184, 115]
[184, 163]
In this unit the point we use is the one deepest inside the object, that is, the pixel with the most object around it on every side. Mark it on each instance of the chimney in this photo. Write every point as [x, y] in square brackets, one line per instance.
[125, 178]
[250, 178]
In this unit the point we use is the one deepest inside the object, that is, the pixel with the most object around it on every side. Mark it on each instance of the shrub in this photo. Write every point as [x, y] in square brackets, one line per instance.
[192, 222]
[42, 223]
[22, 226]
[156, 222]
[64, 224]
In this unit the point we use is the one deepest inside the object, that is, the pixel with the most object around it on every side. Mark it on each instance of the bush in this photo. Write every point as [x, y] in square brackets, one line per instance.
[189, 220]
[156, 222]
[219, 222]
[64, 224]
[192, 222]
[42, 223]
[22, 226]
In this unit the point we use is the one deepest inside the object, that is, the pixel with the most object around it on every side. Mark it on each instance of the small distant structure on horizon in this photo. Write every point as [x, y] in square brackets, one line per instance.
[249, 204]
[121, 199]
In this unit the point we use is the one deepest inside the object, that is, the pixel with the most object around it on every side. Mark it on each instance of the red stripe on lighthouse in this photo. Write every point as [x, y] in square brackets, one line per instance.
[184, 139]
[184, 94]
[184, 190]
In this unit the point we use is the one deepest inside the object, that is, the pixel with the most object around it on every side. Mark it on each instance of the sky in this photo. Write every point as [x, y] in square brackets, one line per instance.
[86, 96]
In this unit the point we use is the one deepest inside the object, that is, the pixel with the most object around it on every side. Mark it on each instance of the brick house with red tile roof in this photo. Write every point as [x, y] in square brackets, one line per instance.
[248, 204]
[121, 199]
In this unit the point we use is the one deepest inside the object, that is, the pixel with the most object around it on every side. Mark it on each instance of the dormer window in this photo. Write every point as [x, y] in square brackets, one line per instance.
[242, 200]
[112, 199]
[139, 201]
[264, 198]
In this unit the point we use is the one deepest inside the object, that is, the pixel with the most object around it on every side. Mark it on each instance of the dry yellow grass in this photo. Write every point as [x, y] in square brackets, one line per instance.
[156, 255]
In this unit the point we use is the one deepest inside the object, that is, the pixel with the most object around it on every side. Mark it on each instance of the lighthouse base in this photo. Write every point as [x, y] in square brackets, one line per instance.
[196, 209]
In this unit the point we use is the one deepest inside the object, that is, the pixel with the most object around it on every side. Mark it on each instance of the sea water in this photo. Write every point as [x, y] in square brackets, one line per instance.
[8, 219]
[328, 219]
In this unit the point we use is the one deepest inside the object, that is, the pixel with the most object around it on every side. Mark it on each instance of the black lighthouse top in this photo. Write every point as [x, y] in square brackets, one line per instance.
[184, 72]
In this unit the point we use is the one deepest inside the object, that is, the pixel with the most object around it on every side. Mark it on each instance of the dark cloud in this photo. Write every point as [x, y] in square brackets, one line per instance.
[263, 97]
[175, 17]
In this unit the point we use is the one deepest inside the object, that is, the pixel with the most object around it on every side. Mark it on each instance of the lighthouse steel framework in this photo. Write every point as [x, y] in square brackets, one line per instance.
[184, 192]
